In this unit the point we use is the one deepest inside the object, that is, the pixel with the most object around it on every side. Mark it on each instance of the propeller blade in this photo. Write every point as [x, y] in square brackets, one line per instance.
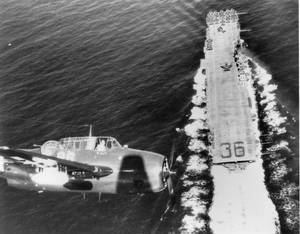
[172, 152]
[170, 185]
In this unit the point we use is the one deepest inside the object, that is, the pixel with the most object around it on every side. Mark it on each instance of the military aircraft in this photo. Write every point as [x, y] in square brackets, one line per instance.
[220, 29]
[86, 164]
[226, 67]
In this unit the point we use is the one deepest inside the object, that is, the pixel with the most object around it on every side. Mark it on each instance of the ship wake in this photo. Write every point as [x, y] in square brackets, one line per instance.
[215, 198]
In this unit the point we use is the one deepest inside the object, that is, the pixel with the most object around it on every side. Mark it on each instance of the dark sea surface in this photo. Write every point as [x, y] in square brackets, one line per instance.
[127, 67]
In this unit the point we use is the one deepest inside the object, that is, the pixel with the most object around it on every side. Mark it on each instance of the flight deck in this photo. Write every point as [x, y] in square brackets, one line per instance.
[229, 105]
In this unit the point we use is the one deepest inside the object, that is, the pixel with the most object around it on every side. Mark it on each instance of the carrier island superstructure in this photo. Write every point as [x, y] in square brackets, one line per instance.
[230, 107]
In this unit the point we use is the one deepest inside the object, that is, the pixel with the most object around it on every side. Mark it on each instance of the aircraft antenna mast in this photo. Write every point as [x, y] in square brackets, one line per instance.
[91, 128]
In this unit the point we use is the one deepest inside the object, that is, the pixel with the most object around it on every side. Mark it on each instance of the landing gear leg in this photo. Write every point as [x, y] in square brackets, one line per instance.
[99, 197]
[83, 196]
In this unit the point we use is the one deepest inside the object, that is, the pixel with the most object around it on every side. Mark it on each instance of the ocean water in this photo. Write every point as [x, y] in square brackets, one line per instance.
[127, 67]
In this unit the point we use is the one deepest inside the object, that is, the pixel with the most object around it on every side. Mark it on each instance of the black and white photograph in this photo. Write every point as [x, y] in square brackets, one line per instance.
[149, 117]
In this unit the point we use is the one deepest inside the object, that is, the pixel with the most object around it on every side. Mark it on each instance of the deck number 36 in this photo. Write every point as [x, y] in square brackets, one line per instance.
[238, 148]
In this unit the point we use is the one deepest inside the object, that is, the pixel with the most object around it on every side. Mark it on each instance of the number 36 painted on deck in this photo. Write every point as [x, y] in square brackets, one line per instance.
[239, 150]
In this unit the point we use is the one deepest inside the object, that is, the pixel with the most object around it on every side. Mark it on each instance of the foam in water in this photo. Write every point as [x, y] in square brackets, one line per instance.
[241, 202]
[192, 128]
[273, 117]
[197, 146]
[196, 188]
[198, 113]
[276, 163]
[191, 199]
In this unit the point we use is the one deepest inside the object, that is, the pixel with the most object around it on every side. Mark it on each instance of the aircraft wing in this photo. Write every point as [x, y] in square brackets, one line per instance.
[18, 155]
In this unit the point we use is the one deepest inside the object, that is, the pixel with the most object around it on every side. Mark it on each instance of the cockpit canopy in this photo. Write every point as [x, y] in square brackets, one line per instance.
[97, 143]
[90, 143]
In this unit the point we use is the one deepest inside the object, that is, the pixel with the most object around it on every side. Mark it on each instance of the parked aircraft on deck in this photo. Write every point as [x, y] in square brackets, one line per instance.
[226, 67]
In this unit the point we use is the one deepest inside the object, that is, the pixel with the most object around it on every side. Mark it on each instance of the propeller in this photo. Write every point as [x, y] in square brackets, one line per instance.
[171, 157]
[170, 185]
[167, 170]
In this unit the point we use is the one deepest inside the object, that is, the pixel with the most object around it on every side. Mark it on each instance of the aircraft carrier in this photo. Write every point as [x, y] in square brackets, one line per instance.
[238, 175]
[230, 105]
